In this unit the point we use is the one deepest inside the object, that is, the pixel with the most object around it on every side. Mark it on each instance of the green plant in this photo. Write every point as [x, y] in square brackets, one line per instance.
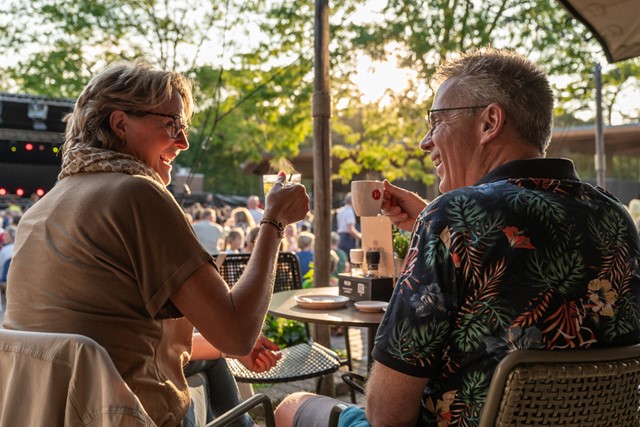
[284, 332]
[401, 240]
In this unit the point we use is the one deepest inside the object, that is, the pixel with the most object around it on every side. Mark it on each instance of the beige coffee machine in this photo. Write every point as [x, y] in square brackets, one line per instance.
[374, 280]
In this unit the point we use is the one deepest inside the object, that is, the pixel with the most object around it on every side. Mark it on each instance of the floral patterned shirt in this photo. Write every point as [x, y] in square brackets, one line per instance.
[528, 257]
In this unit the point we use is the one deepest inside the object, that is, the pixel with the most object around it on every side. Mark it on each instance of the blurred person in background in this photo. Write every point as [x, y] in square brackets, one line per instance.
[208, 231]
[346, 226]
[253, 206]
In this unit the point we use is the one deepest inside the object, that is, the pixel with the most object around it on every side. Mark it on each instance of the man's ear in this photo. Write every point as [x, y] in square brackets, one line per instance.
[117, 121]
[494, 119]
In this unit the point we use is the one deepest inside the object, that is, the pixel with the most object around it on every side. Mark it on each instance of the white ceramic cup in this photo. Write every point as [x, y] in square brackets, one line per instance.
[366, 197]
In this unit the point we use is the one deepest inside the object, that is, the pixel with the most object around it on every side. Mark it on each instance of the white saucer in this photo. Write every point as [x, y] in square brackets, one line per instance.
[320, 301]
[371, 306]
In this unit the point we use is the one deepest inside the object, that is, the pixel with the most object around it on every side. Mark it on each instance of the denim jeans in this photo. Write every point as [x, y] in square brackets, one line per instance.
[221, 393]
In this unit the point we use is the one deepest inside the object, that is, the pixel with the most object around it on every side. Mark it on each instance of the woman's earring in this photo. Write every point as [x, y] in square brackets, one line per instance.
[123, 141]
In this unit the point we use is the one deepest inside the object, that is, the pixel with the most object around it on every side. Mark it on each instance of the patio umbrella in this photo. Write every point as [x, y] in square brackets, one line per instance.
[614, 23]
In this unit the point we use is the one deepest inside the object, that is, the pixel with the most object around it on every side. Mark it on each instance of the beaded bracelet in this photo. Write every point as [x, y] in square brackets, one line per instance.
[279, 225]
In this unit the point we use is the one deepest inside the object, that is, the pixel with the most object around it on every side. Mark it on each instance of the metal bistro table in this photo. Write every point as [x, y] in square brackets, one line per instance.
[283, 305]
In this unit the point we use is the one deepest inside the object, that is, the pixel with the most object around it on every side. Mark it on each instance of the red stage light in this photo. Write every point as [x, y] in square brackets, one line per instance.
[3, 191]
[40, 192]
[28, 146]
[20, 192]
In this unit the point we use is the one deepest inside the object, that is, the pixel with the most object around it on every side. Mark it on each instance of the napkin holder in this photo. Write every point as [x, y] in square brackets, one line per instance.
[363, 288]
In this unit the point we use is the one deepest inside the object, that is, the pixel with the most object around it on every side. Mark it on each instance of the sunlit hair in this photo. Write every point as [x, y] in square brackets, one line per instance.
[490, 75]
[241, 216]
[126, 86]
[305, 240]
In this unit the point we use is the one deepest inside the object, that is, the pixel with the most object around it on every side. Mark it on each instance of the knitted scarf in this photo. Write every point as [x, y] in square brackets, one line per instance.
[91, 159]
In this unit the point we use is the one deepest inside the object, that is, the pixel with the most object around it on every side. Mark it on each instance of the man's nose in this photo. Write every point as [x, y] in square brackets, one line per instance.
[427, 143]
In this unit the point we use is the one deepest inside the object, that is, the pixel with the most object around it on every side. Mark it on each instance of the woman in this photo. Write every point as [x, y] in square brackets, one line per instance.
[241, 218]
[117, 260]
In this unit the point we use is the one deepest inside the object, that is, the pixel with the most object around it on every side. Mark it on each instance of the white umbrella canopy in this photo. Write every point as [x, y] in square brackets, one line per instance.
[615, 23]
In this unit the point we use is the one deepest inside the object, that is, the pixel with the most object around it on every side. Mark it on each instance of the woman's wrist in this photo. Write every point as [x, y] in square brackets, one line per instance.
[278, 225]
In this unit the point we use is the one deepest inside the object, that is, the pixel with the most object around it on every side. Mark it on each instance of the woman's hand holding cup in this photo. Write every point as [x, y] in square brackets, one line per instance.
[287, 201]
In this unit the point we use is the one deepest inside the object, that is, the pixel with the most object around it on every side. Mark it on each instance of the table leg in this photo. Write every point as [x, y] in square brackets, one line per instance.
[371, 336]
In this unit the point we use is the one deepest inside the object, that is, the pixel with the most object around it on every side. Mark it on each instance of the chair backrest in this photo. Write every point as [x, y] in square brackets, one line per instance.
[287, 270]
[579, 388]
[62, 379]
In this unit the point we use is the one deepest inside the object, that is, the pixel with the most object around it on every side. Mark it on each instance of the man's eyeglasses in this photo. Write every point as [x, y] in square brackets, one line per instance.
[432, 125]
[174, 127]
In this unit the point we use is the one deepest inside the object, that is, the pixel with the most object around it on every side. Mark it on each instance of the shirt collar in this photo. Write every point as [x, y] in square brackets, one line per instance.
[532, 168]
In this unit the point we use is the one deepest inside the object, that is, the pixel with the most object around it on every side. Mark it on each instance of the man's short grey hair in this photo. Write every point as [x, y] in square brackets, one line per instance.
[521, 87]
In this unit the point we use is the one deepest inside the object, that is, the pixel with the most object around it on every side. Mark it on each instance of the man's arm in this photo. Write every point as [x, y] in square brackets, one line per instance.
[354, 231]
[392, 398]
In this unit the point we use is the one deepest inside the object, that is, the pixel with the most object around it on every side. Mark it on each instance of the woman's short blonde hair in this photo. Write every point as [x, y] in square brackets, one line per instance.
[126, 86]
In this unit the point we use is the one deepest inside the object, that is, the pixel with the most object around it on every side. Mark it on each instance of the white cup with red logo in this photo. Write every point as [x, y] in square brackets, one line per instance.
[366, 197]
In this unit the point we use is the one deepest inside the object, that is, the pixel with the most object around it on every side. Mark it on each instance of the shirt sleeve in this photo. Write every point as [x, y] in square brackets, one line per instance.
[161, 244]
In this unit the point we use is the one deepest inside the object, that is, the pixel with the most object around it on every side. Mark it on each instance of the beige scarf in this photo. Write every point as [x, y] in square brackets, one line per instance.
[92, 159]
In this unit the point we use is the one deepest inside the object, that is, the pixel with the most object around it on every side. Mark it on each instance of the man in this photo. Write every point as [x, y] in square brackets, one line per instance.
[346, 221]
[253, 205]
[517, 253]
[208, 231]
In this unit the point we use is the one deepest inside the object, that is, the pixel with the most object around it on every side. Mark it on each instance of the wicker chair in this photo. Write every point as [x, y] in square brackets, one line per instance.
[581, 388]
[573, 388]
[301, 361]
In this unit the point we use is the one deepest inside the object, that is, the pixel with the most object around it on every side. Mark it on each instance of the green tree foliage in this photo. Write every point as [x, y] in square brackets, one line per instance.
[252, 64]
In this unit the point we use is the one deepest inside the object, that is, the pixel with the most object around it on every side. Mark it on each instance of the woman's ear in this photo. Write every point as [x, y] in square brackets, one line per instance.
[117, 121]
[493, 120]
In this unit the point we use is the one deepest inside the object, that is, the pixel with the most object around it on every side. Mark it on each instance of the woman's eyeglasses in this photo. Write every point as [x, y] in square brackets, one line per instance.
[174, 128]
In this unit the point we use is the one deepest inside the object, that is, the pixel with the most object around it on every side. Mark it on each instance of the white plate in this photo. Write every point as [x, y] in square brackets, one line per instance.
[371, 306]
[320, 301]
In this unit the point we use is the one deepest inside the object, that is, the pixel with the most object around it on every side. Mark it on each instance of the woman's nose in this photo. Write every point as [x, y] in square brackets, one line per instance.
[182, 141]
[427, 143]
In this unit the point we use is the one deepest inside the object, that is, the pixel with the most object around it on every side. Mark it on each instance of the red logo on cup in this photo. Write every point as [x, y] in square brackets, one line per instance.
[376, 194]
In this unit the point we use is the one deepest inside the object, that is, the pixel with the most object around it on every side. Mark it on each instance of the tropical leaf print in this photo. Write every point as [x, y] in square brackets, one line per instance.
[607, 230]
[539, 206]
[415, 345]
[472, 231]
[535, 309]
[626, 319]
[467, 408]
[560, 272]
[435, 252]
[469, 336]
[475, 386]
[564, 327]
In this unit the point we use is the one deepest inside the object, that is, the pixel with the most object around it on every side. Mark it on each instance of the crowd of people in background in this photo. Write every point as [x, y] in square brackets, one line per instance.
[224, 229]
[234, 230]
[231, 230]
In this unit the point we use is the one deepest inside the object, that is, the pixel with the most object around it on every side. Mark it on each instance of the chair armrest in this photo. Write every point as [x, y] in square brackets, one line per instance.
[334, 418]
[235, 413]
[355, 381]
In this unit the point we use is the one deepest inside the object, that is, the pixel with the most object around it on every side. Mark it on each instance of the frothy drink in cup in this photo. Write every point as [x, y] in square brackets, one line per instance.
[269, 180]
[366, 197]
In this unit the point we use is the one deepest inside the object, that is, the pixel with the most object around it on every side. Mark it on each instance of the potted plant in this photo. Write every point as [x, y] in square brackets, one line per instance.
[401, 240]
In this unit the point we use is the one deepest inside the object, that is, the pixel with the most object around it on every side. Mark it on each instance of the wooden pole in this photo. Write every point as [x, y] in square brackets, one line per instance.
[321, 112]
[600, 159]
